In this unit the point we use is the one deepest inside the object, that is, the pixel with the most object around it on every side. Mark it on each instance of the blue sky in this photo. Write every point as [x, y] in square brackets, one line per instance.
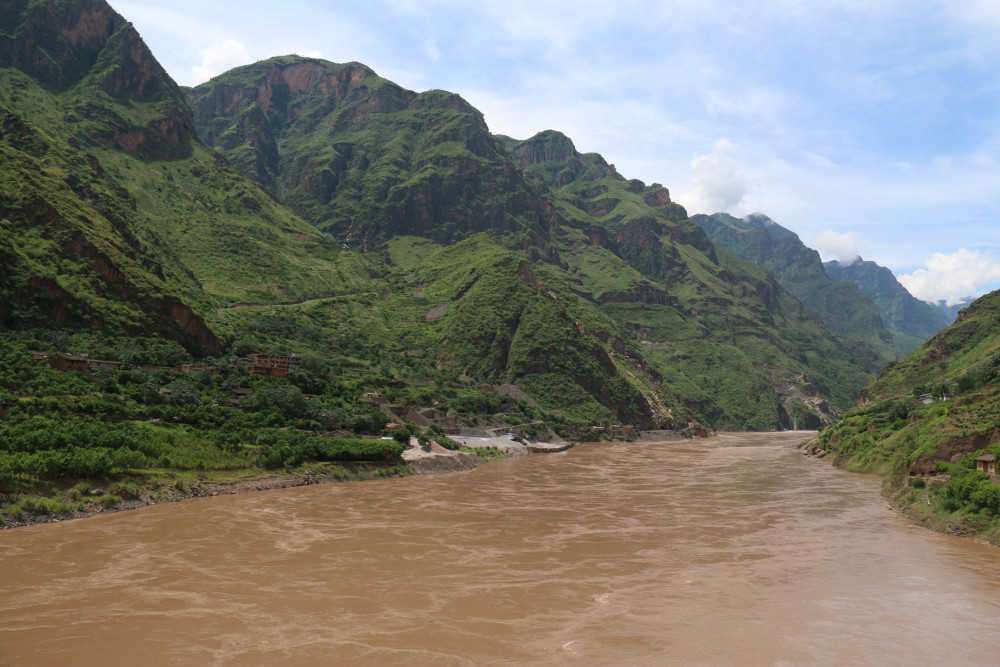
[868, 127]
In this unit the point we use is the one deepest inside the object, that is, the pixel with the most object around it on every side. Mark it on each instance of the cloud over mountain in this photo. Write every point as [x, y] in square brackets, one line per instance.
[952, 278]
[717, 183]
[842, 246]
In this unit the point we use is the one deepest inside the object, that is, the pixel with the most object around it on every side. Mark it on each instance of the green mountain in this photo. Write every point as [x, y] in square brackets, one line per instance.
[305, 206]
[910, 320]
[926, 419]
[371, 163]
[116, 216]
[950, 312]
[718, 328]
[119, 219]
[363, 159]
[799, 269]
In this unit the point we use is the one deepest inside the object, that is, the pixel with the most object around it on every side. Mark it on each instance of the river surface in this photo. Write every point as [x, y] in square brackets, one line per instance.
[735, 550]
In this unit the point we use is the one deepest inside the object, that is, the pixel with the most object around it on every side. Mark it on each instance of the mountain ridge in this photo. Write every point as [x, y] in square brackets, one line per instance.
[367, 186]
[911, 320]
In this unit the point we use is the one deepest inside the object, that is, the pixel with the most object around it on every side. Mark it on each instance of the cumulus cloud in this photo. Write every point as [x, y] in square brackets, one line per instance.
[951, 278]
[842, 246]
[717, 183]
[219, 58]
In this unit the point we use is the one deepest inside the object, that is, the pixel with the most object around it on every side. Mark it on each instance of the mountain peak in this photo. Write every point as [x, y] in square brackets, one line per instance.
[546, 146]
[912, 320]
[56, 42]
[775, 230]
[88, 45]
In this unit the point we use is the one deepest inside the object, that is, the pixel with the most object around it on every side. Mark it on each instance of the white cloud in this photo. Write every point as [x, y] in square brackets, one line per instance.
[431, 48]
[717, 183]
[842, 246]
[219, 58]
[952, 277]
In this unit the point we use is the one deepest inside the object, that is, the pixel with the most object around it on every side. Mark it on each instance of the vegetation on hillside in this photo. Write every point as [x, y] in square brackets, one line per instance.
[923, 423]
[386, 227]
[736, 348]
[837, 300]
[147, 424]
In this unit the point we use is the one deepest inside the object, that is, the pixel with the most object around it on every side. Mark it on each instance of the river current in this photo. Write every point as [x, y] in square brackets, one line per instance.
[734, 550]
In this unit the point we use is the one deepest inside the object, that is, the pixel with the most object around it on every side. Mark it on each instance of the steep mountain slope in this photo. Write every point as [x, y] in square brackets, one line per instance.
[118, 218]
[407, 165]
[102, 163]
[719, 329]
[70, 253]
[839, 303]
[363, 159]
[927, 419]
[911, 320]
[370, 163]
[594, 295]
[969, 347]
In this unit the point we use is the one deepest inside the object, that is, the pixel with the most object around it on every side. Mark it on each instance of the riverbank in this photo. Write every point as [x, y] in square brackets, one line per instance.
[91, 497]
[919, 499]
[77, 499]
[915, 504]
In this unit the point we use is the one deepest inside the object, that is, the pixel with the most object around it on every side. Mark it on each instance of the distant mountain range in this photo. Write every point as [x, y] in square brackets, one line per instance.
[319, 207]
[950, 312]
[861, 299]
[911, 320]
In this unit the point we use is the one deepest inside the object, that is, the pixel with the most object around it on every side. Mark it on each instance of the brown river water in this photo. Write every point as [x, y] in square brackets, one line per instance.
[735, 550]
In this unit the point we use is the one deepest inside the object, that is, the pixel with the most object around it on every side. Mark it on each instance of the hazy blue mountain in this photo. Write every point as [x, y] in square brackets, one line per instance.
[911, 320]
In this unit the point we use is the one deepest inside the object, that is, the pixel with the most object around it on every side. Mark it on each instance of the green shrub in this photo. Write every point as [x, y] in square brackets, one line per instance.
[108, 500]
[126, 489]
[448, 443]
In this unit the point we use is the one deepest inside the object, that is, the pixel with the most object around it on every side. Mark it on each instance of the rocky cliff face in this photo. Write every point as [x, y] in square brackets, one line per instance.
[362, 158]
[55, 43]
[86, 43]
[62, 207]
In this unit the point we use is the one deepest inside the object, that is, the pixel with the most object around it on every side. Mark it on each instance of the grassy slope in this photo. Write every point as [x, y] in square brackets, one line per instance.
[839, 303]
[479, 310]
[718, 329]
[176, 223]
[896, 436]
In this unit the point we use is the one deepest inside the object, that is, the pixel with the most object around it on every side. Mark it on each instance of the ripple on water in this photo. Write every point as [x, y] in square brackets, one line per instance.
[731, 550]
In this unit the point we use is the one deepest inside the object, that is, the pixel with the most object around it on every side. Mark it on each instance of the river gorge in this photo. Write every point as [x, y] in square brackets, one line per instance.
[732, 550]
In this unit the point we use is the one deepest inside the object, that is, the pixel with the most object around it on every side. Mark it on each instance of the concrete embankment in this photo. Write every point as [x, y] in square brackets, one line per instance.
[433, 458]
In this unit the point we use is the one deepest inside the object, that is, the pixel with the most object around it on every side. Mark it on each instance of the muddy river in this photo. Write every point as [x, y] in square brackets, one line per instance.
[735, 550]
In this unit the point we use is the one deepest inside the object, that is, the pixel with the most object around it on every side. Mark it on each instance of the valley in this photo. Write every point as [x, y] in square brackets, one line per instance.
[387, 239]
